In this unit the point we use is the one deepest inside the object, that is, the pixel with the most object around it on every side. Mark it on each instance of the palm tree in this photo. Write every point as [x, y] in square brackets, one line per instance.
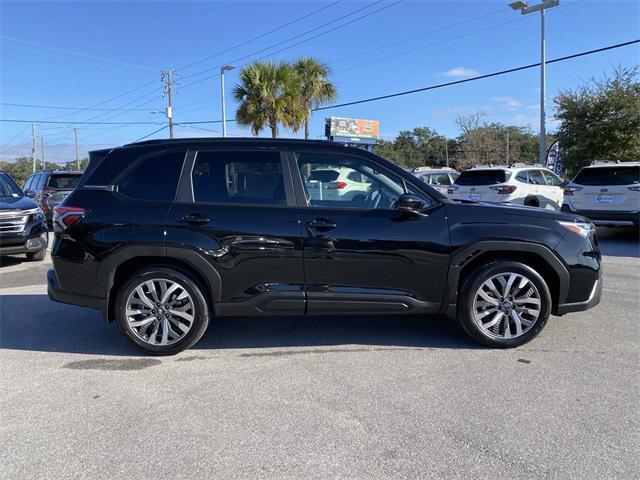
[315, 88]
[269, 93]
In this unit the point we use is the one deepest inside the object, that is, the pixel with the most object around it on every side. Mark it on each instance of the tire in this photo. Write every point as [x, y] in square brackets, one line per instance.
[36, 256]
[529, 294]
[532, 203]
[187, 299]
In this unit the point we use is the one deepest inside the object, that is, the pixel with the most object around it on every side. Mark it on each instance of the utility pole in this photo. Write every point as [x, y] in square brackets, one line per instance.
[524, 10]
[224, 68]
[507, 145]
[75, 133]
[446, 150]
[167, 79]
[44, 165]
[33, 146]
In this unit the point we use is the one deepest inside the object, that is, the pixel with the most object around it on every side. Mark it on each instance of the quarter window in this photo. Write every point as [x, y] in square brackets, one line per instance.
[155, 178]
[523, 177]
[238, 177]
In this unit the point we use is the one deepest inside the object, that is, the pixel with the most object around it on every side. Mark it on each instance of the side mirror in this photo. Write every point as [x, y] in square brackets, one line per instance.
[409, 202]
[30, 194]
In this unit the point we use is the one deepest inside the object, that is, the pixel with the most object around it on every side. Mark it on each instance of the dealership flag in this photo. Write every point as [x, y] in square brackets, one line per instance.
[554, 158]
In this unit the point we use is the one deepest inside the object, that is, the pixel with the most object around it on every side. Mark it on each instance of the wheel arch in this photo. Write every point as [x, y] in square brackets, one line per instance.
[536, 256]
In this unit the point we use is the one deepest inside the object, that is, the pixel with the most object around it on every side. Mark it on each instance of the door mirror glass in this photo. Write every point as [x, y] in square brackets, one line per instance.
[410, 203]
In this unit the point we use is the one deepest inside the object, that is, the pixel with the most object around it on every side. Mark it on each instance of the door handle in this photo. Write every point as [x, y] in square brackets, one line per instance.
[321, 224]
[193, 219]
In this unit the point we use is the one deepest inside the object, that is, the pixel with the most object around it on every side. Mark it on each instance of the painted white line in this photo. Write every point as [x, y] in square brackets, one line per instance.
[25, 290]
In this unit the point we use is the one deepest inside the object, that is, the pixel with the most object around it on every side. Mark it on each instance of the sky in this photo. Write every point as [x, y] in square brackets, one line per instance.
[109, 55]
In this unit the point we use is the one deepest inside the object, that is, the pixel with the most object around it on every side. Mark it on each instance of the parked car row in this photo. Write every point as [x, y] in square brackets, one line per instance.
[608, 193]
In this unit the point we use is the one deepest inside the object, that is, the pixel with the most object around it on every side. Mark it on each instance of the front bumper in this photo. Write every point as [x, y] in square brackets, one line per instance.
[12, 245]
[607, 218]
[592, 301]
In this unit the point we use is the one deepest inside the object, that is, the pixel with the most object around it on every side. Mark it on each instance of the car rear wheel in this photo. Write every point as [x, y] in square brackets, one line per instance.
[162, 311]
[504, 304]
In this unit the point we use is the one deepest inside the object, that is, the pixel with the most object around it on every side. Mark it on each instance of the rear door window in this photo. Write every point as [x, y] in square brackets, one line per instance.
[62, 181]
[482, 177]
[238, 177]
[536, 178]
[552, 179]
[608, 176]
[154, 178]
[440, 179]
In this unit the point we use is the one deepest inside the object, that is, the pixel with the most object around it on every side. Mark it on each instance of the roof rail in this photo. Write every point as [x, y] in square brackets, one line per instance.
[604, 162]
[520, 164]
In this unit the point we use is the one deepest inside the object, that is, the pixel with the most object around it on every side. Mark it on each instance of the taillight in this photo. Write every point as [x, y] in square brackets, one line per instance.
[504, 189]
[568, 191]
[64, 217]
[635, 189]
[336, 185]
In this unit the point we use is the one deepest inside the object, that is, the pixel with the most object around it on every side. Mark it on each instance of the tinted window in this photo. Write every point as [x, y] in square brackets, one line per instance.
[608, 176]
[27, 184]
[378, 189]
[523, 177]
[238, 178]
[355, 177]
[535, 177]
[324, 175]
[155, 178]
[63, 181]
[425, 178]
[8, 188]
[482, 177]
[440, 179]
[39, 182]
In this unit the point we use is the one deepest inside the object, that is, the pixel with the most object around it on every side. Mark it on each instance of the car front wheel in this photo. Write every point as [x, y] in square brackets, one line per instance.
[504, 304]
[162, 311]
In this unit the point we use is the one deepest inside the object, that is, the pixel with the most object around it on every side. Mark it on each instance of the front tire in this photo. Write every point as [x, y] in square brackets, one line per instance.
[504, 304]
[162, 311]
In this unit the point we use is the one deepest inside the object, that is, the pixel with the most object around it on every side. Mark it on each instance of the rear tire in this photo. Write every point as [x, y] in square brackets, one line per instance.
[36, 256]
[504, 304]
[162, 311]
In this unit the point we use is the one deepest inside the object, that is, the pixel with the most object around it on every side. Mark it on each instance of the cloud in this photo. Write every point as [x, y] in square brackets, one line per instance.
[460, 72]
[509, 103]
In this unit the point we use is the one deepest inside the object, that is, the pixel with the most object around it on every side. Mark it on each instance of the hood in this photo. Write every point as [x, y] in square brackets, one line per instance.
[522, 211]
[15, 203]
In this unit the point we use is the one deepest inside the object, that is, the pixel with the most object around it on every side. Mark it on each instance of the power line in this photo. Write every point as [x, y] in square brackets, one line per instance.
[152, 133]
[76, 123]
[72, 52]
[261, 35]
[58, 107]
[478, 77]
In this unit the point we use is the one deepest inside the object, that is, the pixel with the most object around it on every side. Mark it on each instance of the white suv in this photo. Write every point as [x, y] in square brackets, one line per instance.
[518, 184]
[438, 178]
[607, 193]
[339, 183]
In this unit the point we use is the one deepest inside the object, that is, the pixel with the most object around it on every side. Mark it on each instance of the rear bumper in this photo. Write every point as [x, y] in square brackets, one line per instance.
[58, 295]
[592, 301]
[607, 217]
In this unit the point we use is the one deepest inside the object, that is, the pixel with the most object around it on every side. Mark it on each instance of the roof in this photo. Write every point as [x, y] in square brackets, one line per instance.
[235, 140]
[608, 164]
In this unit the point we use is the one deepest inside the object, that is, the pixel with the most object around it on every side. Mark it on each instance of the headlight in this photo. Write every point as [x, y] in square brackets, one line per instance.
[581, 228]
[36, 213]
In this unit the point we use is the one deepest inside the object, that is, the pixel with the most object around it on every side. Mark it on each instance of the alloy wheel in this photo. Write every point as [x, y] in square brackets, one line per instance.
[507, 305]
[160, 311]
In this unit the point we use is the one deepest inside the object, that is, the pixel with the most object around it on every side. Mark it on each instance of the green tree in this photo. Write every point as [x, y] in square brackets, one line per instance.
[269, 94]
[315, 88]
[600, 120]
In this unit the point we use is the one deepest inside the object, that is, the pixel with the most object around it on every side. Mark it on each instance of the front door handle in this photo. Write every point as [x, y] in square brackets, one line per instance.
[193, 219]
[321, 224]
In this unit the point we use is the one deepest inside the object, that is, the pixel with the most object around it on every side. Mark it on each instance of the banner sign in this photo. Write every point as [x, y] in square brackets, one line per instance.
[554, 159]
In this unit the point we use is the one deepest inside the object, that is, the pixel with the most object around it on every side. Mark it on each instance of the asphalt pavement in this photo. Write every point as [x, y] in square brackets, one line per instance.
[325, 397]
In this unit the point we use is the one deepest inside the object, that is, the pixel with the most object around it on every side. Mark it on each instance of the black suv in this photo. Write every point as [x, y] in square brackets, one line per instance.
[165, 234]
[49, 188]
[22, 225]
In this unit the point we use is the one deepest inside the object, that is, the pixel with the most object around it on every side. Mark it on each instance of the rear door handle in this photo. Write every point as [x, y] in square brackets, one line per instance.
[193, 219]
[321, 224]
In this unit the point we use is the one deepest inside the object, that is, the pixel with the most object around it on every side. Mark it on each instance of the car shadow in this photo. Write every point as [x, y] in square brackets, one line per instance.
[619, 242]
[35, 323]
[11, 260]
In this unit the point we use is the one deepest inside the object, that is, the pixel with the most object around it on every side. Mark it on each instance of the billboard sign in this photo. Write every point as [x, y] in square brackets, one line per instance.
[352, 130]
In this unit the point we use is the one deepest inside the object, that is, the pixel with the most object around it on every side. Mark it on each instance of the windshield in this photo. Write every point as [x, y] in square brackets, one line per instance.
[8, 187]
[482, 177]
[64, 181]
[608, 176]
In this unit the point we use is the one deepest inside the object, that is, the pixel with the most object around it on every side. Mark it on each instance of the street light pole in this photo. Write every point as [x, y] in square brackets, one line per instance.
[524, 10]
[75, 134]
[224, 68]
